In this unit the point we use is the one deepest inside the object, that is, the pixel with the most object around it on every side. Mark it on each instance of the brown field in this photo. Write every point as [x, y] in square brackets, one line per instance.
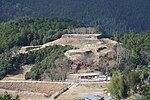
[31, 90]
[81, 90]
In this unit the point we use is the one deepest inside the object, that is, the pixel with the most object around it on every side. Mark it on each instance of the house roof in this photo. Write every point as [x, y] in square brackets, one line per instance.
[86, 74]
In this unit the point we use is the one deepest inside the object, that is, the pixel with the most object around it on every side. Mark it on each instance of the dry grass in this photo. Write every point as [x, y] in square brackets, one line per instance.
[45, 88]
[80, 91]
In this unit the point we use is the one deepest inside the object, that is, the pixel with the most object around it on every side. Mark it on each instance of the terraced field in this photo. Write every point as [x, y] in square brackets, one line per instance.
[32, 89]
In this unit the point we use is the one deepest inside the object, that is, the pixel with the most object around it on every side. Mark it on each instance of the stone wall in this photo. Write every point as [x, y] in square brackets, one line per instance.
[82, 36]
[45, 88]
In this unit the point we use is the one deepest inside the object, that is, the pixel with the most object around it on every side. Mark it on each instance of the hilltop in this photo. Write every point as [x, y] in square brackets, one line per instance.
[26, 32]
[52, 49]
[87, 52]
[50, 43]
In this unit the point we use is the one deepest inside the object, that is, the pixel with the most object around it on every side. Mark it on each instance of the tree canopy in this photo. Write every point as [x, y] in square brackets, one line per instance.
[112, 15]
[33, 31]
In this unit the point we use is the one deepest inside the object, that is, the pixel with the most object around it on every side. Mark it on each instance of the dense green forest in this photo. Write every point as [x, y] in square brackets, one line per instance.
[138, 46]
[35, 22]
[112, 15]
[137, 42]
[45, 61]
[8, 65]
[131, 75]
[28, 31]
[50, 62]
[132, 70]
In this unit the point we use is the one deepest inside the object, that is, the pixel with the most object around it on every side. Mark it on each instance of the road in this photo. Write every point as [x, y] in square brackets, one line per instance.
[104, 82]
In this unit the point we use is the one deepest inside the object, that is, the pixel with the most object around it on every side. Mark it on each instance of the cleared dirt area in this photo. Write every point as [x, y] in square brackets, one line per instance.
[88, 49]
[75, 40]
[80, 91]
[30, 90]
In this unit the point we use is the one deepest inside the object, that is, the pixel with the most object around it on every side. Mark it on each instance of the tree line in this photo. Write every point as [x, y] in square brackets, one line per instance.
[112, 15]
[131, 75]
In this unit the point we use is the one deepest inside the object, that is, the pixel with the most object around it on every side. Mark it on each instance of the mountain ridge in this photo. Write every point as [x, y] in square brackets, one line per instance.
[112, 16]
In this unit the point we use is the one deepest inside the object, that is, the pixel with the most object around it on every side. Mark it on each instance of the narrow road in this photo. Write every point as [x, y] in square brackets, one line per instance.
[104, 82]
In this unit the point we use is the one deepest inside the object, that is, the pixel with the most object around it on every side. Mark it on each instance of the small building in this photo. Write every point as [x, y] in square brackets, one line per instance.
[85, 75]
[94, 76]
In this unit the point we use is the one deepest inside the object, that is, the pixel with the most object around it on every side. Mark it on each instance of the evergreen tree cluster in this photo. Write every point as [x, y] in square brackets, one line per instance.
[112, 15]
[132, 74]
[29, 31]
[46, 61]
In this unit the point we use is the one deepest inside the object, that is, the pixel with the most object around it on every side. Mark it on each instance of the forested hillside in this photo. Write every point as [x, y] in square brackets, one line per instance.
[132, 72]
[112, 15]
[138, 46]
[50, 63]
[24, 32]
[36, 22]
